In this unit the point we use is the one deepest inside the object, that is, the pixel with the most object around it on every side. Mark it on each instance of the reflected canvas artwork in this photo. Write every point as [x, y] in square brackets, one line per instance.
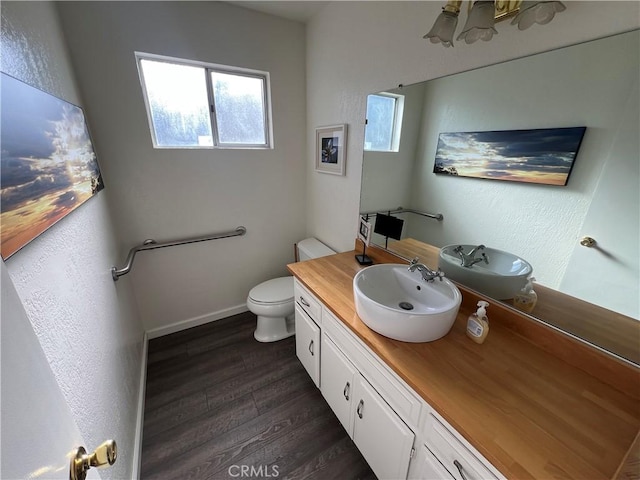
[543, 156]
[48, 164]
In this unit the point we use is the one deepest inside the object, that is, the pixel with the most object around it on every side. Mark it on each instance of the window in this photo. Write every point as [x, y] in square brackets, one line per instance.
[198, 105]
[384, 122]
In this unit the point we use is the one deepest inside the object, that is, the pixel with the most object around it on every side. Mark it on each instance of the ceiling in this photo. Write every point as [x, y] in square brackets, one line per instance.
[297, 10]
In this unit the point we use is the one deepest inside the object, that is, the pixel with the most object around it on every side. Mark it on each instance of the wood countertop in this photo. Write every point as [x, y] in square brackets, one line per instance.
[612, 331]
[522, 398]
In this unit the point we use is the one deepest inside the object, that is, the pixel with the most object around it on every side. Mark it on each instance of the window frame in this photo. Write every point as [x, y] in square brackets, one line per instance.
[398, 114]
[207, 69]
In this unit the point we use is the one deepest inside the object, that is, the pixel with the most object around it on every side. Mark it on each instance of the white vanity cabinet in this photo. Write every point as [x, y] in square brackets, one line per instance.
[397, 432]
[383, 439]
[307, 319]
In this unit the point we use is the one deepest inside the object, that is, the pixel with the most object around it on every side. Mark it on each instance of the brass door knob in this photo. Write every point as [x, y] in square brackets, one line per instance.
[588, 242]
[103, 456]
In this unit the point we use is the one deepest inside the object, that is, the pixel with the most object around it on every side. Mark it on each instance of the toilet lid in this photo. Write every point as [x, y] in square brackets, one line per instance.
[277, 290]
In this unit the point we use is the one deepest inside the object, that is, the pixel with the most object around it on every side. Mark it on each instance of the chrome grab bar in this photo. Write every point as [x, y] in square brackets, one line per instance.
[152, 245]
[437, 216]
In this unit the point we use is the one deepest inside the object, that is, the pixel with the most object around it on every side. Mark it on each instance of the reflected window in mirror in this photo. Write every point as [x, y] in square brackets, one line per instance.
[384, 122]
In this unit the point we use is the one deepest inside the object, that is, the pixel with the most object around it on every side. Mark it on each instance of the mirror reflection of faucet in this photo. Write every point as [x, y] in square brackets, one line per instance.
[469, 259]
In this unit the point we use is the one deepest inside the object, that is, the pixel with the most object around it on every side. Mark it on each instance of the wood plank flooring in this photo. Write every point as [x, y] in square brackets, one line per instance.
[221, 405]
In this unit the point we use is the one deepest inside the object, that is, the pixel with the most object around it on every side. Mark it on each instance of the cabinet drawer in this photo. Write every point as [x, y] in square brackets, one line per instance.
[454, 455]
[308, 344]
[308, 302]
[406, 403]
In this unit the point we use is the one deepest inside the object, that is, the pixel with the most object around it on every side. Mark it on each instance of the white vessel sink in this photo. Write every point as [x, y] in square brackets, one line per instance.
[504, 276]
[399, 304]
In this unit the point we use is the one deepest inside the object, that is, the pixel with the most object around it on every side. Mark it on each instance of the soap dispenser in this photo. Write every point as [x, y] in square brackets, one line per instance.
[526, 299]
[478, 323]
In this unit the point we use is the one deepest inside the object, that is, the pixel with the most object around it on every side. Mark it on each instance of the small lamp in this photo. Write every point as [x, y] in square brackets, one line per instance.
[540, 12]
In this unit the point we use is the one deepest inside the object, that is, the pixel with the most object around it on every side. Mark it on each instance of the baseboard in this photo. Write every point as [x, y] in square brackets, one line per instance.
[137, 446]
[196, 321]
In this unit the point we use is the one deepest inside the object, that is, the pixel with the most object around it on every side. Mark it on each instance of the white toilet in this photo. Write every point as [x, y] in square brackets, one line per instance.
[272, 301]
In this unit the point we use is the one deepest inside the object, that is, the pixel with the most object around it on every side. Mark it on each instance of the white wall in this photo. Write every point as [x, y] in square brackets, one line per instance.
[373, 46]
[28, 383]
[89, 330]
[172, 194]
[608, 274]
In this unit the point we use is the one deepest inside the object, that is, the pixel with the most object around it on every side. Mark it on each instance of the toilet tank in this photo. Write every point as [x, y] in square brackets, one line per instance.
[312, 248]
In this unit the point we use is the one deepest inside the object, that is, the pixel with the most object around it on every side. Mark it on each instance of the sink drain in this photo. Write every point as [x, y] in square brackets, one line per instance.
[405, 306]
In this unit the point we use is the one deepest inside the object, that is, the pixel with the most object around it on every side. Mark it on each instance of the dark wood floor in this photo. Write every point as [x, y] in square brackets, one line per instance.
[219, 403]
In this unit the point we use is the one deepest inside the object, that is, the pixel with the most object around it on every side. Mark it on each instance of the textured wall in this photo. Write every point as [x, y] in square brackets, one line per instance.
[28, 383]
[373, 46]
[170, 194]
[609, 275]
[87, 326]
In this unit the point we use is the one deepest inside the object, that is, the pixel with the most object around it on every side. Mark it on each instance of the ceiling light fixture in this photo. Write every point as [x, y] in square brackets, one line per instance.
[482, 16]
[537, 12]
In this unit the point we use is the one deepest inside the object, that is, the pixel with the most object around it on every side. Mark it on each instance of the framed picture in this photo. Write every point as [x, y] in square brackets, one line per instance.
[364, 231]
[331, 144]
[544, 155]
[49, 167]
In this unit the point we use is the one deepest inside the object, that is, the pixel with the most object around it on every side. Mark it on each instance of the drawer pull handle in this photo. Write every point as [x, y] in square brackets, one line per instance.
[459, 467]
[304, 302]
[345, 392]
[359, 409]
[311, 347]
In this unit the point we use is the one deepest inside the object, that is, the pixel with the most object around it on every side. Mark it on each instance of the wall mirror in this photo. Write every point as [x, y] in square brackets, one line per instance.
[593, 84]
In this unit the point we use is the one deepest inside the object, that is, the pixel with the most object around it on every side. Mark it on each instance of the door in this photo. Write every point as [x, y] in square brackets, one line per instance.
[337, 374]
[384, 440]
[38, 429]
[308, 344]
[431, 468]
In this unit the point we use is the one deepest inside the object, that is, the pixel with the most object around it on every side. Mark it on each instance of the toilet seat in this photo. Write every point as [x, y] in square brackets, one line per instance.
[276, 291]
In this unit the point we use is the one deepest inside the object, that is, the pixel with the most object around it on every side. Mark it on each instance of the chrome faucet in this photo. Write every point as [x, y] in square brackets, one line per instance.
[428, 275]
[469, 259]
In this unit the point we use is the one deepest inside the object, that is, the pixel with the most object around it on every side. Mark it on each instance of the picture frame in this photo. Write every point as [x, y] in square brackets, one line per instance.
[364, 231]
[331, 144]
[364, 234]
[49, 165]
[542, 156]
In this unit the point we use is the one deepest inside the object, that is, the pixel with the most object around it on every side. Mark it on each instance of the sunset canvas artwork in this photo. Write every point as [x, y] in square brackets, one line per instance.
[48, 166]
[535, 156]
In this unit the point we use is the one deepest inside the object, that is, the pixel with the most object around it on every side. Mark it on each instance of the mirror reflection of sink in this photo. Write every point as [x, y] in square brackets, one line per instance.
[399, 304]
[502, 277]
